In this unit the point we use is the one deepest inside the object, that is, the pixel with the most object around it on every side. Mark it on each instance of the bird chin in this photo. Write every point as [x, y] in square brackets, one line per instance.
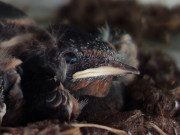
[97, 86]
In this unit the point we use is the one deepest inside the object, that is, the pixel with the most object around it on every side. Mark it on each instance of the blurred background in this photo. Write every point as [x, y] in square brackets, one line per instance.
[154, 23]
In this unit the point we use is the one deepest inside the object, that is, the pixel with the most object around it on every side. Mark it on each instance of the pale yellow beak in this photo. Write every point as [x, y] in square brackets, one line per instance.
[106, 71]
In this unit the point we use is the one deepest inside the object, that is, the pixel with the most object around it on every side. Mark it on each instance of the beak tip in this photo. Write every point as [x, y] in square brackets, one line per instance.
[134, 71]
[137, 72]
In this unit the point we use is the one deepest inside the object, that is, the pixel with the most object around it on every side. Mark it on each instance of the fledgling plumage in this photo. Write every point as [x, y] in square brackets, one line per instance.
[10, 92]
[59, 61]
[78, 61]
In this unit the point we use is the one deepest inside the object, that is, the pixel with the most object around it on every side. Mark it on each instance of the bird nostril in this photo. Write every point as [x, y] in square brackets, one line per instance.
[70, 58]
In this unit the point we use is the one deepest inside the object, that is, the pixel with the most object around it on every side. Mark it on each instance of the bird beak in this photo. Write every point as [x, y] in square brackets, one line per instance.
[113, 69]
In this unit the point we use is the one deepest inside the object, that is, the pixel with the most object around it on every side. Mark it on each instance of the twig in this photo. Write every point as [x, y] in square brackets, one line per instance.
[116, 131]
[175, 131]
[134, 117]
[162, 114]
[156, 128]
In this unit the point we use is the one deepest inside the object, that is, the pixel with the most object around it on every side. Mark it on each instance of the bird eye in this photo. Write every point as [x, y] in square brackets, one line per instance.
[70, 57]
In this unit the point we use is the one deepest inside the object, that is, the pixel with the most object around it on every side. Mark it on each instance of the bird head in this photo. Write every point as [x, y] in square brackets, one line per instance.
[91, 63]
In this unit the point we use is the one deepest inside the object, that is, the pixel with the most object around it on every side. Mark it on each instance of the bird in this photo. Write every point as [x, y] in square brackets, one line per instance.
[58, 62]
[10, 92]
[78, 63]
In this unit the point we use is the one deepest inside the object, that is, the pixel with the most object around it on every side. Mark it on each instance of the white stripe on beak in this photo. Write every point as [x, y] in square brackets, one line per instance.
[103, 71]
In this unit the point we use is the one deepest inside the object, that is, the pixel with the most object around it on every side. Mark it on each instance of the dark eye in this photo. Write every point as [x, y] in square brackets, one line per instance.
[70, 57]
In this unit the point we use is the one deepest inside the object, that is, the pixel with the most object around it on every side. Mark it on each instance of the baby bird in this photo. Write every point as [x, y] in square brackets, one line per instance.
[79, 63]
[58, 62]
[10, 92]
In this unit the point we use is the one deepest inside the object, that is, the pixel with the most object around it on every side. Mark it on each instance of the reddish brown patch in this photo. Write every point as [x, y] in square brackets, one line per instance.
[80, 84]
[75, 103]
[98, 87]
[94, 52]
